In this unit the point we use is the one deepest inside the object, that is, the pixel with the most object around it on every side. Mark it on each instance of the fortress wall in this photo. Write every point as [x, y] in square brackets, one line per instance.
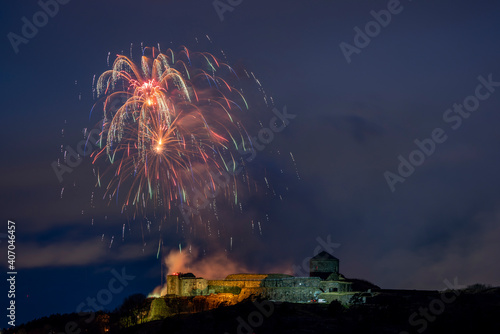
[295, 294]
[335, 286]
[285, 294]
[246, 277]
[236, 283]
[272, 283]
[193, 286]
[343, 298]
[279, 282]
[214, 283]
[218, 289]
[312, 282]
[292, 289]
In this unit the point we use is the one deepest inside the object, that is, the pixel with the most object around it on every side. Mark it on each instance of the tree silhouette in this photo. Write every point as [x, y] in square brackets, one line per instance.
[132, 309]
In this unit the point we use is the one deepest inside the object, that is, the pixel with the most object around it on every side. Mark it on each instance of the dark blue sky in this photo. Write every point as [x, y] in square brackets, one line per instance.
[353, 121]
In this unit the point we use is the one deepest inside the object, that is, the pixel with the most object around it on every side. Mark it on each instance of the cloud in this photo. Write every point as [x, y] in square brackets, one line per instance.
[359, 127]
[77, 253]
[469, 253]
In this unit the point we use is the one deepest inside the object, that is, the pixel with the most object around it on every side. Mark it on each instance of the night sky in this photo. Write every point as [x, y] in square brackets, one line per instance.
[355, 117]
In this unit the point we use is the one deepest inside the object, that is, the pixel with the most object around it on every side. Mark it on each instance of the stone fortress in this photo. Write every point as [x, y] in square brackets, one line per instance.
[324, 285]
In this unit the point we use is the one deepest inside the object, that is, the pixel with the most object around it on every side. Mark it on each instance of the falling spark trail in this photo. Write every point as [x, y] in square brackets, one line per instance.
[158, 252]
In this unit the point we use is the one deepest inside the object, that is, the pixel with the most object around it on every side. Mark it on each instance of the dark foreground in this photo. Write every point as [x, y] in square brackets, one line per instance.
[388, 312]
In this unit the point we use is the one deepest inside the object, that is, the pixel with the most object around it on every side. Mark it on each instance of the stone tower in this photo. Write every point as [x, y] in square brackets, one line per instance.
[173, 284]
[324, 265]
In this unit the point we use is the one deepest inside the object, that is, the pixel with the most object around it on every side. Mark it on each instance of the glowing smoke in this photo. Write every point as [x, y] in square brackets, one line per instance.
[215, 266]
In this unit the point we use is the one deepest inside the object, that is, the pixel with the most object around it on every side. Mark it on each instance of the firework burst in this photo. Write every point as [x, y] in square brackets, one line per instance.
[169, 126]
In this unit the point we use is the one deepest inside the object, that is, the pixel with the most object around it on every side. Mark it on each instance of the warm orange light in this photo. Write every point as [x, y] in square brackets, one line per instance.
[158, 147]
